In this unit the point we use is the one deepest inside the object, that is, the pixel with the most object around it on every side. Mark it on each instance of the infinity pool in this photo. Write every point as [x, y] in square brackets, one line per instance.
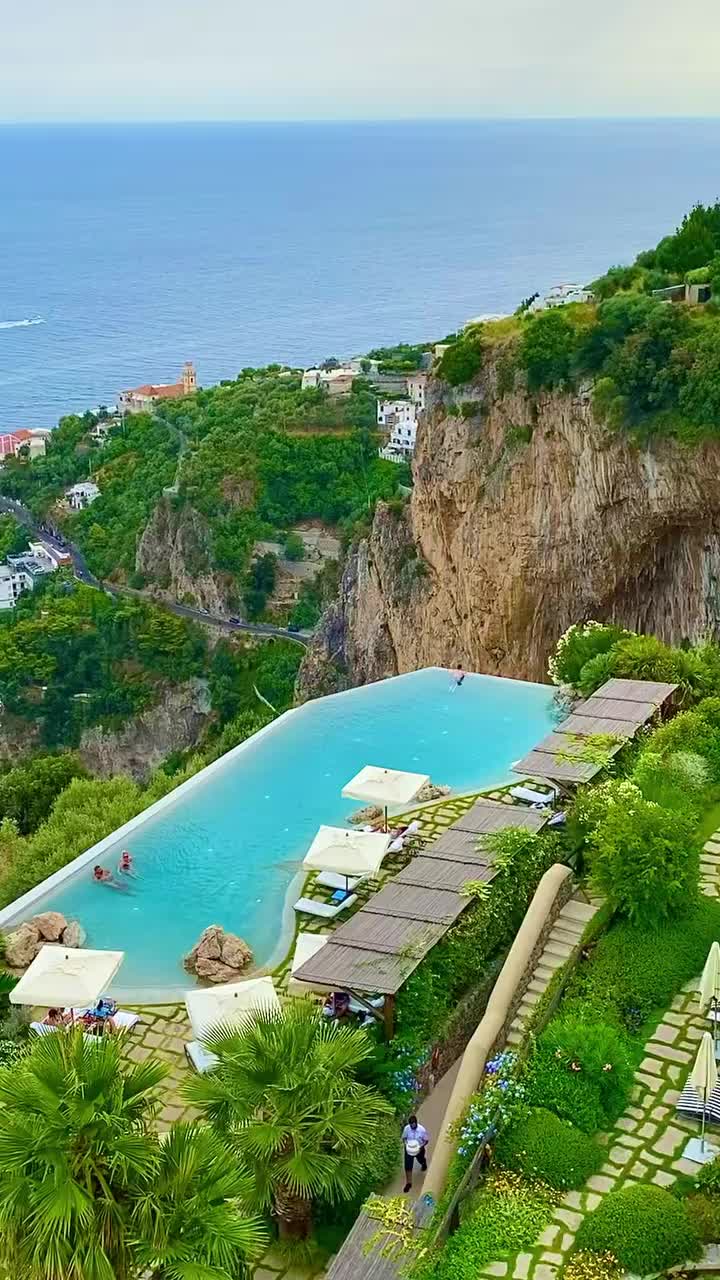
[228, 845]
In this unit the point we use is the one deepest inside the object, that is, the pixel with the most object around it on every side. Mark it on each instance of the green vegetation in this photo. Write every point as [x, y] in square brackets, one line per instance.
[582, 1071]
[88, 1190]
[13, 537]
[542, 1147]
[463, 359]
[655, 364]
[403, 358]
[644, 1227]
[286, 1094]
[252, 457]
[505, 1216]
[29, 791]
[72, 657]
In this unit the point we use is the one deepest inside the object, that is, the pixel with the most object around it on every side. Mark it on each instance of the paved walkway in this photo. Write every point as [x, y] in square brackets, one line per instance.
[647, 1142]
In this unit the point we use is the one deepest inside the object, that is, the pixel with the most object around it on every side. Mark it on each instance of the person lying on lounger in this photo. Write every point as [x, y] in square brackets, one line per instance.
[55, 1018]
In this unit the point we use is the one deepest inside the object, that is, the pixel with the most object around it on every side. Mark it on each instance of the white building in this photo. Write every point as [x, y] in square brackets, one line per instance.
[416, 386]
[12, 585]
[337, 382]
[82, 495]
[399, 419]
[560, 295]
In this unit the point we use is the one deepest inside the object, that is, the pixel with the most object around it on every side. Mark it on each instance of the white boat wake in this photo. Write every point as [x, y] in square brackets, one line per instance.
[20, 324]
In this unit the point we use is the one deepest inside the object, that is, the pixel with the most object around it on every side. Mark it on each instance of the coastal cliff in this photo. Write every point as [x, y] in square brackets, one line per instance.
[174, 556]
[526, 515]
[140, 746]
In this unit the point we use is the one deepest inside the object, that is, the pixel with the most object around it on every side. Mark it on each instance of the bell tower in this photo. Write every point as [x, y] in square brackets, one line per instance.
[189, 378]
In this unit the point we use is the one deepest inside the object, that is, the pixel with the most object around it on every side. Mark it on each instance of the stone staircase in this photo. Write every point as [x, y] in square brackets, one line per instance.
[562, 941]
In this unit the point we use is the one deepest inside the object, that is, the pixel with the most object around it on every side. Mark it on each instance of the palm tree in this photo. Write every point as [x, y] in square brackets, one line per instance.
[191, 1211]
[85, 1186]
[285, 1092]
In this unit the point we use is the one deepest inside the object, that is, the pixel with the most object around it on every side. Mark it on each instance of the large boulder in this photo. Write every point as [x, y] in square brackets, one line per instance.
[73, 935]
[50, 925]
[218, 956]
[22, 945]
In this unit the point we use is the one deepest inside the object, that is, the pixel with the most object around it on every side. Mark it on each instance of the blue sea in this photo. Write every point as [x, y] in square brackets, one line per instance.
[134, 248]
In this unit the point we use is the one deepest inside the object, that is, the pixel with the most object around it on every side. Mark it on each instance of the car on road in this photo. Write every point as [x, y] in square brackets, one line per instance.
[293, 628]
[235, 621]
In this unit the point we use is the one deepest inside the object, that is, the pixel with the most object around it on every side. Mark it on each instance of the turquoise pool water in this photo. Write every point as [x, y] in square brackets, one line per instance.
[226, 850]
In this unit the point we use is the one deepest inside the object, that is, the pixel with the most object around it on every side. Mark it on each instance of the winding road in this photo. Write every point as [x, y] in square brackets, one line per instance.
[9, 506]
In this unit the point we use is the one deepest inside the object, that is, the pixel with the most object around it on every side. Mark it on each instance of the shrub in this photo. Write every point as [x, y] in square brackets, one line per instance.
[675, 781]
[704, 1213]
[693, 731]
[462, 361]
[379, 1165]
[633, 973]
[546, 349]
[581, 641]
[543, 1146]
[708, 1178]
[645, 859]
[596, 1052]
[645, 1228]
[569, 1095]
[507, 1215]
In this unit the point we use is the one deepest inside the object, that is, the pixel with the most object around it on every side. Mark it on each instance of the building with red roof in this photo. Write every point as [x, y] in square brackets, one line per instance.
[141, 399]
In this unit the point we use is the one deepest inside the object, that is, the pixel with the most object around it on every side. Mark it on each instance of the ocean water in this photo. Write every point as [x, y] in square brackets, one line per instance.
[227, 850]
[129, 249]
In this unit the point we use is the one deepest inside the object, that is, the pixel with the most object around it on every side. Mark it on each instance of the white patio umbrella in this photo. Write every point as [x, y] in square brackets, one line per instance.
[228, 1003]
[703, 1078]
[73, 977]
[348, 852]
[307, 945]
[385, 787]
[710, 987]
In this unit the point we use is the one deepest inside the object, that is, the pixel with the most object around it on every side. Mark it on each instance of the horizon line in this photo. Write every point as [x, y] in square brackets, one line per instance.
[79, 122]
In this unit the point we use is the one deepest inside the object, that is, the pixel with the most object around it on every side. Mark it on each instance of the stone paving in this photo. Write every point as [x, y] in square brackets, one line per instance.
[647, 1142]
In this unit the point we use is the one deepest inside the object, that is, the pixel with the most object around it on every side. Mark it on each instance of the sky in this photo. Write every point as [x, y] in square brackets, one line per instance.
[99, 60]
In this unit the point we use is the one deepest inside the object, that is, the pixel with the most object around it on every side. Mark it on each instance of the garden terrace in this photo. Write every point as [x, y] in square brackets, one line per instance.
[615, 712]
[381, 946]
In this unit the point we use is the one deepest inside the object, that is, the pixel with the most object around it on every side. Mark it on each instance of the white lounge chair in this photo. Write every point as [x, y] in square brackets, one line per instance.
[124, 1021]
[530, 796]
[324, 910]
[201, 1059]
[334, 880]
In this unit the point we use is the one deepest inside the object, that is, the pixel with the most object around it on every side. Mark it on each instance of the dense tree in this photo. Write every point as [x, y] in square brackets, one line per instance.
[87, 1192]
[286, 1094]
[547, 348]
[29, 791]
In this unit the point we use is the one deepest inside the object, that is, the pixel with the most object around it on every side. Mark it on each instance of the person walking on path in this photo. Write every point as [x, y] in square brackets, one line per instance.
[415, 1139]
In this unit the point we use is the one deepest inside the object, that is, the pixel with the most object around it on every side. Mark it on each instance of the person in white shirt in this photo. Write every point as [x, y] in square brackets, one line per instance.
[415, 1139]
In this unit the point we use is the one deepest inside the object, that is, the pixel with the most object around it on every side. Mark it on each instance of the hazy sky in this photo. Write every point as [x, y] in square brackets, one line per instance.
[336, 59]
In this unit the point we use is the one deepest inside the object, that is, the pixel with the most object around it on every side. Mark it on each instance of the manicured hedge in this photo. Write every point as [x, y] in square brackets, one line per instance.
[644, 1226]
[553, 1150]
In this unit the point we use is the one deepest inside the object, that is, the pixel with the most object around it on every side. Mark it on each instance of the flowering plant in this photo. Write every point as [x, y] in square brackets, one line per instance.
[501, 1098]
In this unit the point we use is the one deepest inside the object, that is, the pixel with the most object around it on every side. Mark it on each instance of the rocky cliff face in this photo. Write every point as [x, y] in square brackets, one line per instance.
[526, 515]
[174, 724]
[173, 554]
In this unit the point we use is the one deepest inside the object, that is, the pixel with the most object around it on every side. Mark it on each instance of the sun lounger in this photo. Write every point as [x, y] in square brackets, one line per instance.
[201, 1059]
[306, 946]
[324, 910]
[530, 796]
[333, 880]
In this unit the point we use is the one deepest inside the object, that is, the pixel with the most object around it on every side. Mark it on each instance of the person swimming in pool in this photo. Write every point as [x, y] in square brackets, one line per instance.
[101, 875]
[459, 675]
[125, 865]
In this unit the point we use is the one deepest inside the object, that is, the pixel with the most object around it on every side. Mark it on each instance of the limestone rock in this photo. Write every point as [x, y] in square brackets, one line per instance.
[50, 925]
[370, 813]
[138, 747]
[22, 945]
[524, 517]
[73, 935]
[218, 956]
[432, 791]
